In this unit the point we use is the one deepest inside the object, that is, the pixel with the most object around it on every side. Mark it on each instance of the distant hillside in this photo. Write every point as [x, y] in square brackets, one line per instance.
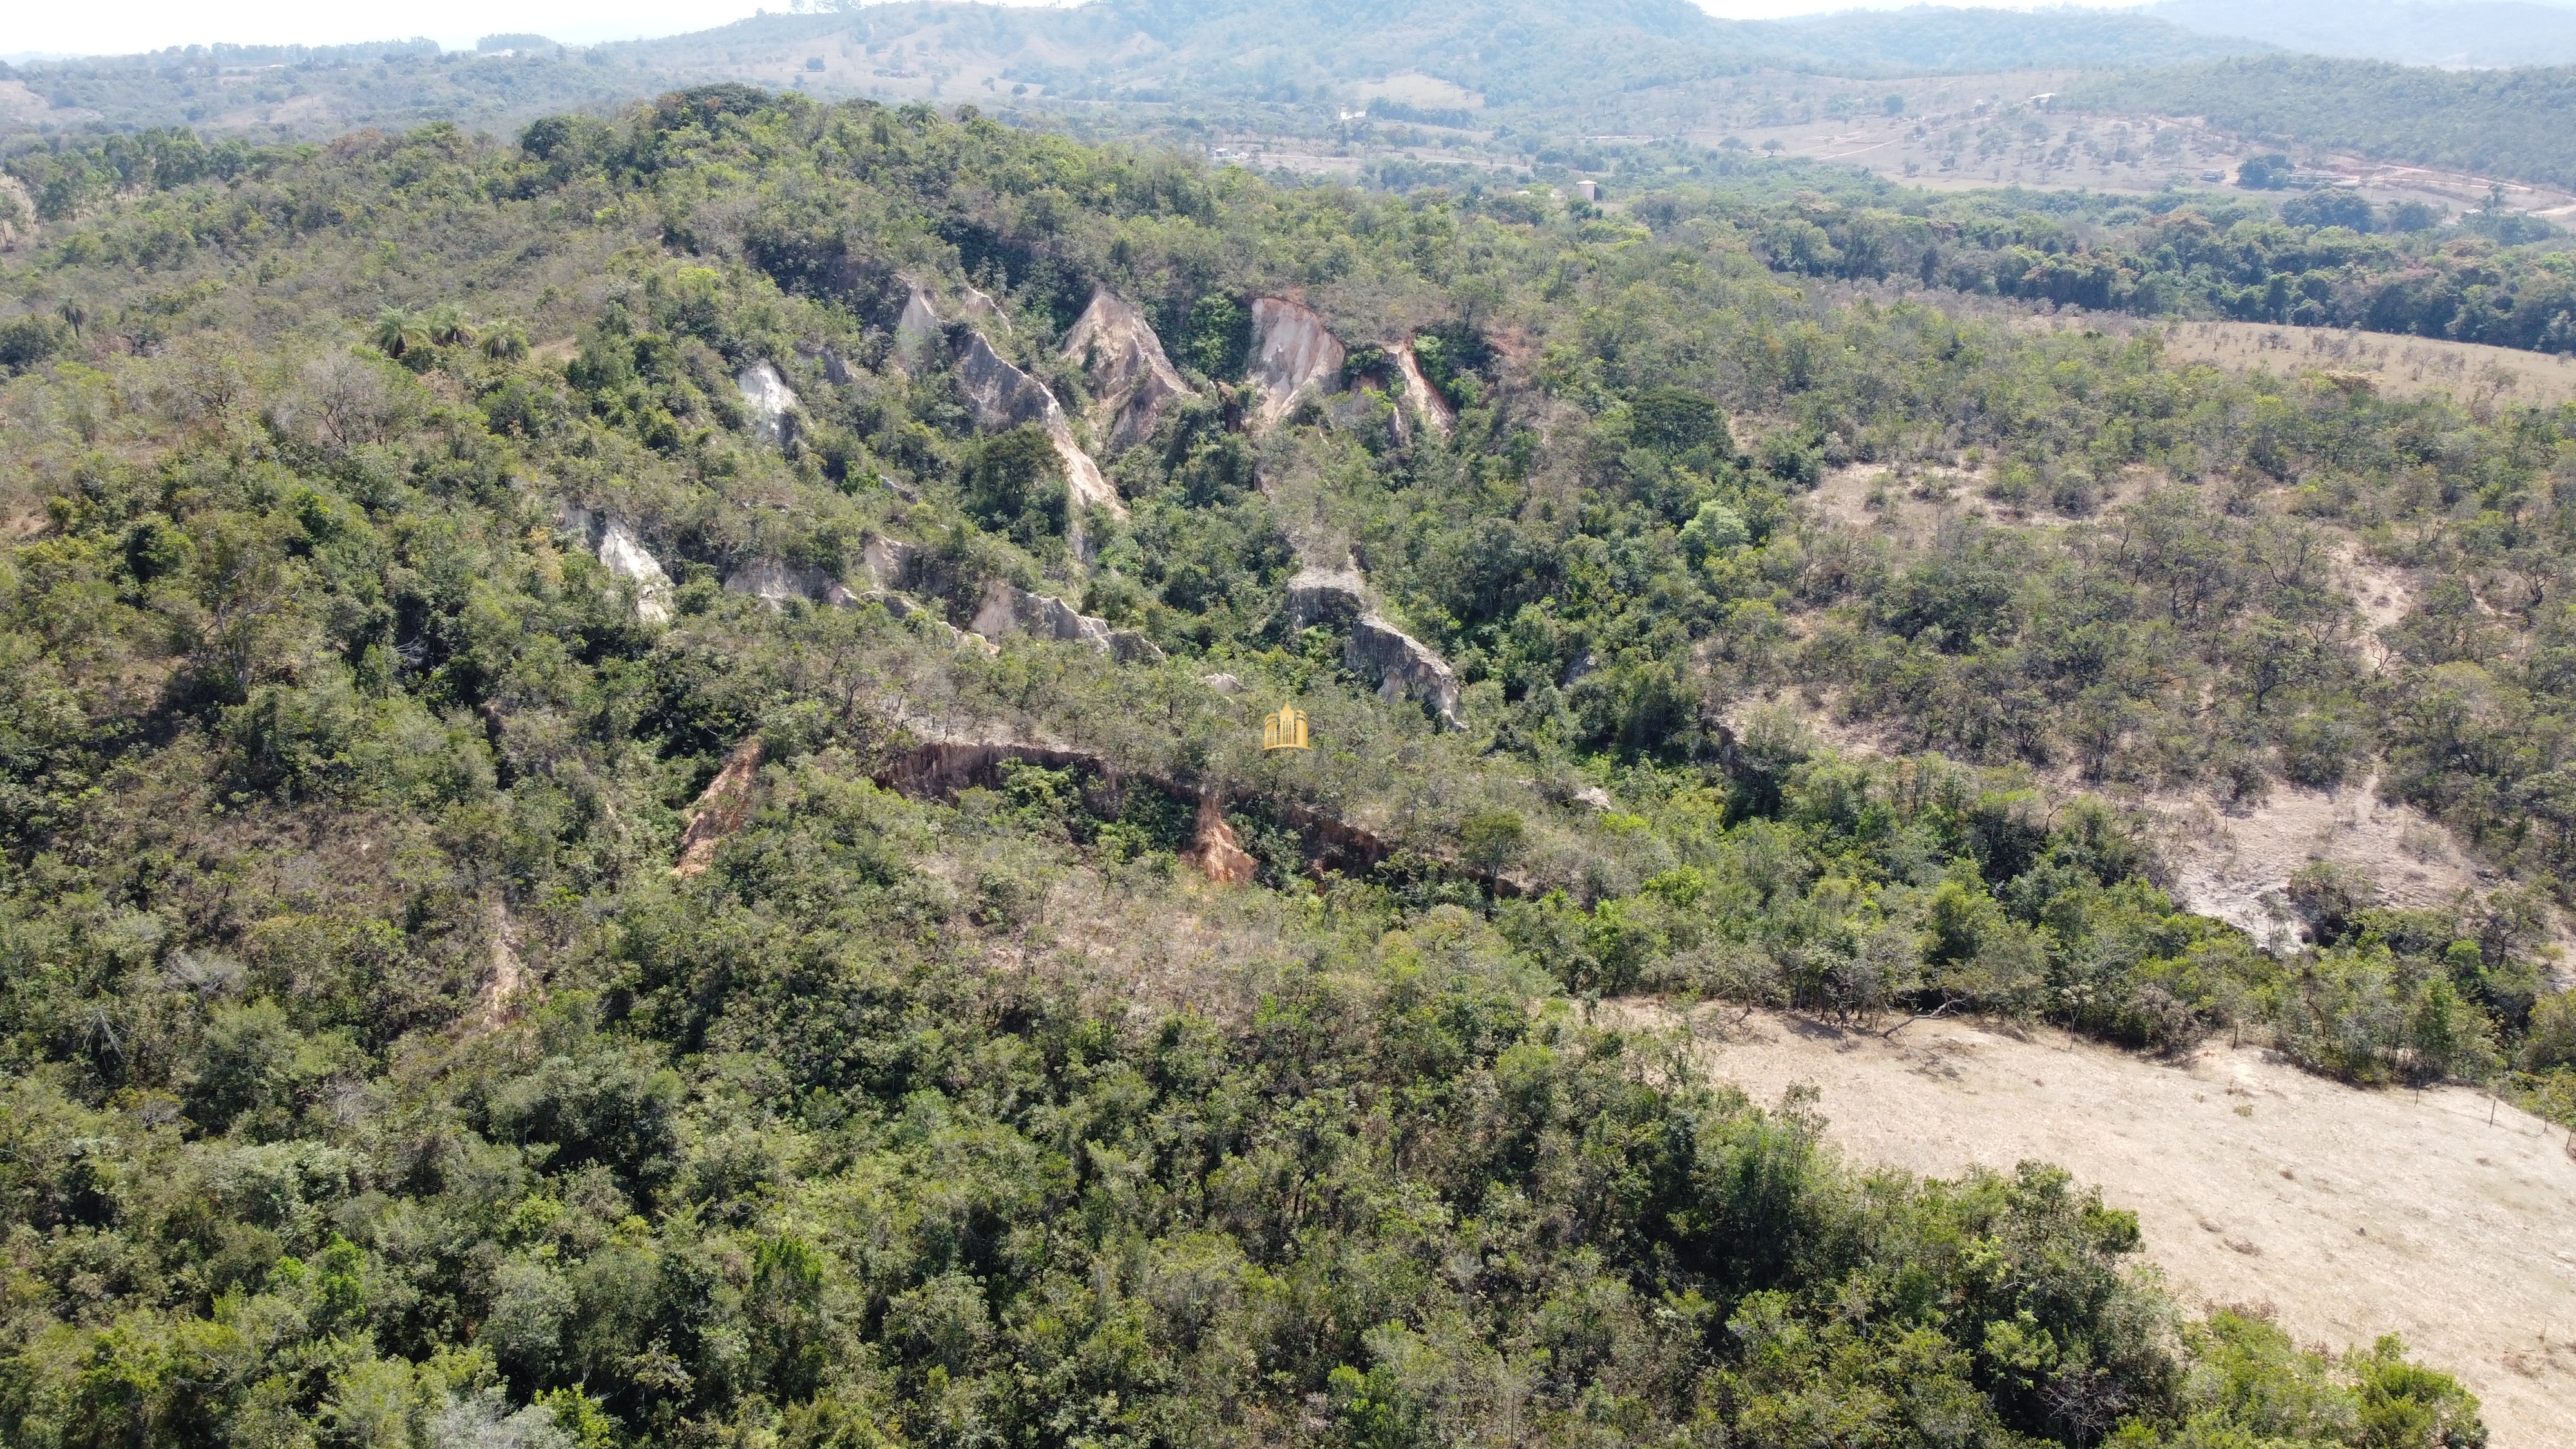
[1511, 53]
[2509, 123]
[1932, 40]
[306, 92]
[2474, 33]
[1530, 51]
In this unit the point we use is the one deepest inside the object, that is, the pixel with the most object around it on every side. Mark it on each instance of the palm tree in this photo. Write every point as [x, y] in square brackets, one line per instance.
[398, 331]
[448, 326]
[506, 342]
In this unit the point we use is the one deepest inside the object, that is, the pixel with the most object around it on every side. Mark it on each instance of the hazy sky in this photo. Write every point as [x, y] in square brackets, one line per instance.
[50, 27]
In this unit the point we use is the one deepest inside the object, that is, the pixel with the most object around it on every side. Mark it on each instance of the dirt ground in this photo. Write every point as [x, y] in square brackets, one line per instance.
[1872, 497]
[2236, 864]
[2349, 1213]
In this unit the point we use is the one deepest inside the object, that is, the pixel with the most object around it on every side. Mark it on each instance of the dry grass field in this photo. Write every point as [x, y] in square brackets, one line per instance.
[2347, 1213]
[2401, 366]
[1968, 131]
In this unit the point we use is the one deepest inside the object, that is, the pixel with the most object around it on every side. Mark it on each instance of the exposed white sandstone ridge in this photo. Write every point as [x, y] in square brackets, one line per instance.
[892, 563]
[774, 583]
[918, 332]
[922, 326]
[625, 557]
[1132, 378]
[771, 401]
[1005, 397]
[1421, 396]
[975, 304]
[1294, 356]
[1403, 665]
[1329, 597]
[1372, 646]
[1002, 395]
[895, 567]
[1009, 609]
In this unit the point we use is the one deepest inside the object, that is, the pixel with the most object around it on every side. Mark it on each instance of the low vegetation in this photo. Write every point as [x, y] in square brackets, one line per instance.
[2503, 122]
[2326, 258]
[374, 1080]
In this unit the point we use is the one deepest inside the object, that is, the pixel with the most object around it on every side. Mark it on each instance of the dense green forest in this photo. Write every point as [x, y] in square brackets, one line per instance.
[2327, 258]
[2508, 123]
[374, 1078]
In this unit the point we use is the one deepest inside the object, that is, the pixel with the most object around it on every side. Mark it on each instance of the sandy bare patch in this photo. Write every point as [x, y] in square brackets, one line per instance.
[2236, 865]
[2230, 863]
[2352, 1213]
[1911, 504]
[2381, 593]
[18, 103]
[1812, 712]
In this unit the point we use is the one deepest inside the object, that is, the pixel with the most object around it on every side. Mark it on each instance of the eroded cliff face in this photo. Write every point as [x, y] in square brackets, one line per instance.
[1134, 381]
[1214, 851]
[1001, 394]
[721, 811]
[1329, 597]
[1007, 609]
[774, 583]
[1294, 356]
[891, 563]
[1005, 397]
[974, 303]
[771, 400]
[1372, 646]
[624, 555]
[1419, 395]
[1404, 666]
[1002, 609]
[919, 332]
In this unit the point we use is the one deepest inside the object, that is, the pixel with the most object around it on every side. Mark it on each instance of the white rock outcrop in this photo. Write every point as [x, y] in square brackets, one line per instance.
[625, 557]
[890, 562]
[974, 303]
[1294, 357]
[1419, 395]
[1007, 609]
[1329, 597]
[1005, 397]
[771, 400]
[774, 583]
[1373, 647]
[918, 332]
[1134, 381]
[1403, 665]
[895, 567]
